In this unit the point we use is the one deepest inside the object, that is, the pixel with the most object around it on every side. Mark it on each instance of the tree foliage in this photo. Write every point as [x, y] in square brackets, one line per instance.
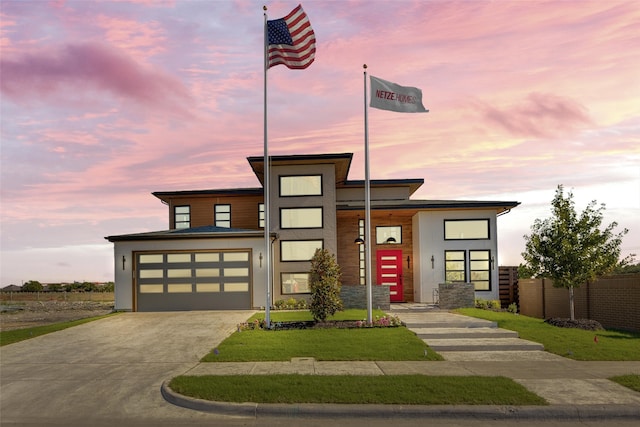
[32, 286]
[325, 285]
[571, 249]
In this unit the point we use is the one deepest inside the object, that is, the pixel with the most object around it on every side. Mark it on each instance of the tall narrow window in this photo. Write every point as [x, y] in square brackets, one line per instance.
[222, 216]
[261, 215]
[182, 216]
[454, 266]
[361, 253]
[479, 269]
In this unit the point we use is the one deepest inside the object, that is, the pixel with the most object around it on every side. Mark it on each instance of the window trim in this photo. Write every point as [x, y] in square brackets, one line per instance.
[488, 270]
[282, 292]
[486, 220]
[304, 240]
[464, 265]
[175, 219]
[261, 215]
[388, 226]
[300, 176]
[216, 213]
[301, 209]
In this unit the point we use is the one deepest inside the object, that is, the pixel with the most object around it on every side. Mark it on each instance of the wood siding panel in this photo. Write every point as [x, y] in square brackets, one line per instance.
[244, 210]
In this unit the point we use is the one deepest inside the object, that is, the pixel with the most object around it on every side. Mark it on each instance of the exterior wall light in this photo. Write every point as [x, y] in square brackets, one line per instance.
[359, 241]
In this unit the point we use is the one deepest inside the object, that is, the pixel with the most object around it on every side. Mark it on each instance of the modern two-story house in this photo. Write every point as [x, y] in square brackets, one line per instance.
[212, 256]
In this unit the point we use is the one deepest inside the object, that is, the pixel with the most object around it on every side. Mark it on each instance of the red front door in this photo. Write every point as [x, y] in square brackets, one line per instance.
[389, 266]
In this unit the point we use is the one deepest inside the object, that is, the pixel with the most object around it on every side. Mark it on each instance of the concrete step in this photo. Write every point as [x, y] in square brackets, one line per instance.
[471, 323]
[453, 333]
[482, 344]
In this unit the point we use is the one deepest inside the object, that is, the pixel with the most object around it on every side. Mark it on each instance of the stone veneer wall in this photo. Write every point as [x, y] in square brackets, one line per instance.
[456, 295]
[355, 296]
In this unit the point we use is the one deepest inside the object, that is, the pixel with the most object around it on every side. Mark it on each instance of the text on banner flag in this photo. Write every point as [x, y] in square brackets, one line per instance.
[393, 97]
[291, 41]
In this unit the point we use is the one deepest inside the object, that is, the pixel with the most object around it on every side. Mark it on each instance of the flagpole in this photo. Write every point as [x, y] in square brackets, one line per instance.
[266, 183]
[367, 205]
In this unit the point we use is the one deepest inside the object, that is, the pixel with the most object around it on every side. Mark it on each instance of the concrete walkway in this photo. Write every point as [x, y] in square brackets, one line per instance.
[470, 347]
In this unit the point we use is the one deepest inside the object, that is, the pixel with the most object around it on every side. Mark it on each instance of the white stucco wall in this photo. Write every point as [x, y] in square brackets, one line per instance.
[428, 241]
[124, 277]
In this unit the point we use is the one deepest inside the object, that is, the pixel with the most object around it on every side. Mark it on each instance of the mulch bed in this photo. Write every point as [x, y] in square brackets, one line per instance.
[586, 324]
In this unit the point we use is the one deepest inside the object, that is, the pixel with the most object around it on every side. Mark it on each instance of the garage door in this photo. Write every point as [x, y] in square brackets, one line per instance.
[215, 280]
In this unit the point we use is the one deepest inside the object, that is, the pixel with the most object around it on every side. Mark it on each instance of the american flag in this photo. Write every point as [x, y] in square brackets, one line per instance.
[291, 41]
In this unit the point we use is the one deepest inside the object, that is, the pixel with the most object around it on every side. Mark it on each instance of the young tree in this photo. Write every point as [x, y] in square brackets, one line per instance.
[572, 249]
[325, 285]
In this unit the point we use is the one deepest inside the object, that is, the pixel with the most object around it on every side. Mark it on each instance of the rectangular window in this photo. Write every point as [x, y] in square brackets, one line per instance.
[454, 266]
[300, 217]
[361, 253]
[222, 214]
[294, 283]
[466, 229]
[302, 185]
[182, 216]
[261, 215]
[479, 269]
[389, 235]
[299, 250]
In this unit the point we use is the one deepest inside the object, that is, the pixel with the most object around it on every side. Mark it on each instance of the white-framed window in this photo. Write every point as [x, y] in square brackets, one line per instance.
[294, 283]
[389, 234]
[299, 250]
[466, 229]
[301, 185]
[222, 215]
[182, 216]
[361, 253]
[300, 217]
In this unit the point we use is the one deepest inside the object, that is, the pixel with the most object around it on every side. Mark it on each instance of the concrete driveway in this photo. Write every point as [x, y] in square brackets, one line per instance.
[108, 372]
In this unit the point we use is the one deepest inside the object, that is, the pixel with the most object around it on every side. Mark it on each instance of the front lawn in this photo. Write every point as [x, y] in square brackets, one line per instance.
[390, 343]
[630, 381]
[573, 343]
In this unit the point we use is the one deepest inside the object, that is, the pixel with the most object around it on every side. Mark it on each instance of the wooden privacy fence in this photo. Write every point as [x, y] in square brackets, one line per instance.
[614, 301]
[57, 296]
[508, 285]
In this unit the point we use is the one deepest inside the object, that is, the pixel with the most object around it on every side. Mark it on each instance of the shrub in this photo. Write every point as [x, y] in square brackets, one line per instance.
[513, 308]
[494, 304]
[325, 285]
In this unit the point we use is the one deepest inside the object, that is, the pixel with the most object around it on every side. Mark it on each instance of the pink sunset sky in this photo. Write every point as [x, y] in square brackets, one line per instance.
[104, 102]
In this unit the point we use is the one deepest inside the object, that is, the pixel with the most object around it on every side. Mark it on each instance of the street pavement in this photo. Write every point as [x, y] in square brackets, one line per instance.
[112, 371]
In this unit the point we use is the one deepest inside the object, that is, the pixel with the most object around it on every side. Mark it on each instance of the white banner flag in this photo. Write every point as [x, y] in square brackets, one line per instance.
[393, 97]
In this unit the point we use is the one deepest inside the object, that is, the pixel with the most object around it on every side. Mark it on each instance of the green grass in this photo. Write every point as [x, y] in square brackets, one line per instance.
[385, 389]
[10, 337]
[394, 343]
[573, 343]
[629, 381]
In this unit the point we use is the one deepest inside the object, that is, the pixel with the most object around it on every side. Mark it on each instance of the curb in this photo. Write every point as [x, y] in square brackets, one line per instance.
[311, 410]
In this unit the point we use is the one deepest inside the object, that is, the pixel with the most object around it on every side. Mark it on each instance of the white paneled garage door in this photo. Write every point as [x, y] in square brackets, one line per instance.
[203, 280]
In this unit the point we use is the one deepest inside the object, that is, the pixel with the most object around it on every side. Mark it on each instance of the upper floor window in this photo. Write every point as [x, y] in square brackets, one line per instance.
[222, 214]
[261, 215]
[388, 235]
[182, 216]
[300, 217]
[301, 185]
[466, 229]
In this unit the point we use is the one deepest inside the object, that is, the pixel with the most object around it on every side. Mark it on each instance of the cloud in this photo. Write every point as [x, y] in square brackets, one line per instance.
[538, 115]
[76, 67]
